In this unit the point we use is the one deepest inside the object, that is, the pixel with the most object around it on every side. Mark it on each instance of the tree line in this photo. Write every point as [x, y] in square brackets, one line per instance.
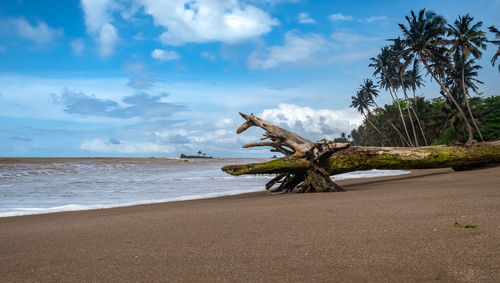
[449, 54]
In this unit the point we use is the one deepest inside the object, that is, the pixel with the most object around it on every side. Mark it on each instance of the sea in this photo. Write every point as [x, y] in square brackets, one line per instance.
[45, 185]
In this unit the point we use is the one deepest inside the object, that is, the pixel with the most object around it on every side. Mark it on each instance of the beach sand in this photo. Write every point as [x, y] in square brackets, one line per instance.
[397, 229]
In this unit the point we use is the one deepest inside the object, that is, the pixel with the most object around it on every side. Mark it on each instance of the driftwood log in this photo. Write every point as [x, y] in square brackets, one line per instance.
[307, 165]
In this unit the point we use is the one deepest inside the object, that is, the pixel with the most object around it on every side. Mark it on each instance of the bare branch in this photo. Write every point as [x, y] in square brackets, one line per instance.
[298, 144]
[273, 144]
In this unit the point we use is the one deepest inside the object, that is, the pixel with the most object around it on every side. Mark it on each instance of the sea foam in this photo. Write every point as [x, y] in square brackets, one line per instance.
[47, 186]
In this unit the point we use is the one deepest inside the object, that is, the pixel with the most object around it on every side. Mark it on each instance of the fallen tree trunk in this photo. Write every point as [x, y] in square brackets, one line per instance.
[307, 166]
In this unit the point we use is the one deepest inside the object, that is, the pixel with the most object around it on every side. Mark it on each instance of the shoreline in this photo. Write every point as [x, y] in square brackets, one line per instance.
[398, 228]
[79, 207]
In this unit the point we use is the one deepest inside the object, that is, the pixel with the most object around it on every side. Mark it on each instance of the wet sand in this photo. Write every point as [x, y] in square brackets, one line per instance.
[384, 229]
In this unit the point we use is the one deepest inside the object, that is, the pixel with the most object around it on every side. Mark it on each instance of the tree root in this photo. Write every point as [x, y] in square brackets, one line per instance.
[314, 178]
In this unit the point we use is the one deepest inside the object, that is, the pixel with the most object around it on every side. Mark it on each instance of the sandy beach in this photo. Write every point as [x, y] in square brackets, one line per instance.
[398, 229]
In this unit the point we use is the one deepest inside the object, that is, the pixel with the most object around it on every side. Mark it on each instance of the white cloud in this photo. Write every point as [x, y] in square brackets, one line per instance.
[295, 49]
[305, 18]
[340, 17]
[208, 55]
[204, 135]
[97, 14]
[224, 123]
[164, 55]
[101, 145]
[312, 123]
[107, 40]
[78, 46]
[207, 20]
[347, 38]
[374, 19]
[40, 34]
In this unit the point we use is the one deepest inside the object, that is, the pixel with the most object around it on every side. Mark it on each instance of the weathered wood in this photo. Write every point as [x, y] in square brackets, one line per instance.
[365, 158]
[313, 178]
[307, 166]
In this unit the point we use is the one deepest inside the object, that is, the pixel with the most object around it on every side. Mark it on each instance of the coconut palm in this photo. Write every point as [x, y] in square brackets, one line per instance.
[363, 103]
[467, 39]
[494, 30]
[369, 89]
[463, 71]
[424, 38]
[400, 67]
[384, 68]
[413, 80]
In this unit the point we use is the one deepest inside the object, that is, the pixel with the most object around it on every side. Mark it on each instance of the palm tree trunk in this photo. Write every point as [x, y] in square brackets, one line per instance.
[418, 120]
[370, 122]
[420, 126]
[470, 139]
[402, 118]
[468, 106]
[408, 106]
[403, 140]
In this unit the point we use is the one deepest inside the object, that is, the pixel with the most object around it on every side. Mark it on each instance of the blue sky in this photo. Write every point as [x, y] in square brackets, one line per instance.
[160, 78]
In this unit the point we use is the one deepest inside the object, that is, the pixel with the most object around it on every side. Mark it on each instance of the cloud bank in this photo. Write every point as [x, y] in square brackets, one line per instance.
[296, 49]
[98, 18]
[40, 33]
[140, 104]
[205, 20]
[164, 55]
[311, 123]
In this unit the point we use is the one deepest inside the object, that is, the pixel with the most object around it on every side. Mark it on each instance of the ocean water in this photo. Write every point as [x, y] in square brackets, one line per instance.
[33, 186]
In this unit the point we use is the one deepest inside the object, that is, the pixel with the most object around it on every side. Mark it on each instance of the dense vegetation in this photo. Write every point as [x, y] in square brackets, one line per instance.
[439, 120]
[448, 54]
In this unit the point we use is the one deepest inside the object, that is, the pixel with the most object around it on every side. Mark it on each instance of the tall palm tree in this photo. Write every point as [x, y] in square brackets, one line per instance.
[363, 103]
[463, 71]
[467, 39]
[414, 80]
[384, 68]
[369, 89]
[400, 67]
[424, 38]
[494, 30]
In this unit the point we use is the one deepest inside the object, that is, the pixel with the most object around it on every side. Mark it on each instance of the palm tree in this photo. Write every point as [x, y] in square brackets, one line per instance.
[384, 68]
[369, 89]
[424, 38]
[363, 103]
[494, 30]
[463, 75]
[414, 80]
[467, 39]
[400, 67]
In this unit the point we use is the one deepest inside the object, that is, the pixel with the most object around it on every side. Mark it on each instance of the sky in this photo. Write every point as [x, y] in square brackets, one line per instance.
[157, 78]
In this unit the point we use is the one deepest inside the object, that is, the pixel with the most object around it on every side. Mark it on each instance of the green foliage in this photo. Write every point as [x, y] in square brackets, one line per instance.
[489, 112]
[439, 119]
[449, 135]
[343, 138]
[448, 53]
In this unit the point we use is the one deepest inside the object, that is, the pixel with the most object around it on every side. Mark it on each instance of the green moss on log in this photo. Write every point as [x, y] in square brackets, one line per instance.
[280, 165]
[366, 158]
